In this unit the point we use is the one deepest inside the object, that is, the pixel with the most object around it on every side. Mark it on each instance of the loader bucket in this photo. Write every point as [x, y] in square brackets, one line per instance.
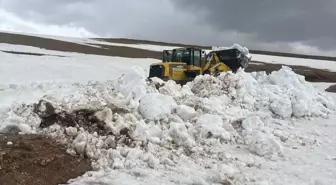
[233, 58]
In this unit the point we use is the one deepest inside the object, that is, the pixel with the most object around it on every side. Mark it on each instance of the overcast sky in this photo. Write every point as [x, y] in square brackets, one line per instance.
[285, 25]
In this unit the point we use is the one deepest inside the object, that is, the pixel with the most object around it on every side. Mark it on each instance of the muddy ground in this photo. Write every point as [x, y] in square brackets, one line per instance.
[36, 160]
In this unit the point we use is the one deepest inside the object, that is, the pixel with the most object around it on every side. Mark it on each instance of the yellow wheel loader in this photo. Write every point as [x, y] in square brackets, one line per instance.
[184, 64]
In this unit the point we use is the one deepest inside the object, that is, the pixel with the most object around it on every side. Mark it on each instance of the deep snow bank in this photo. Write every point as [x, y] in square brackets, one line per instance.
[135, 124]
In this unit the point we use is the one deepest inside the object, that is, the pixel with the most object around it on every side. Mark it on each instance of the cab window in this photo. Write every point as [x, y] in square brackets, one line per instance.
[197, 58]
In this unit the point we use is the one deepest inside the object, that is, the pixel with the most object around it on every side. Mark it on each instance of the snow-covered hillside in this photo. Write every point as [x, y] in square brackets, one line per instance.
[290, 61]
[244, 128]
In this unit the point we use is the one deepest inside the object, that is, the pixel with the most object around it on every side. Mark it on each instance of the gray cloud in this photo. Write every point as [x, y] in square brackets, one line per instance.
[260, 24]
[270, 20]
[112, 17]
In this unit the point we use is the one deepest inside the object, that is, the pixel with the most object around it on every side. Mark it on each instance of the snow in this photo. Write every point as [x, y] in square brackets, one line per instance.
[138, 46]
[30, 49]
[65, 69]
[322, 85]
[312, 63]
[242, 49]
[24, 77]
[244, 128]
[318, 64]
[156, 106]
[91, 42]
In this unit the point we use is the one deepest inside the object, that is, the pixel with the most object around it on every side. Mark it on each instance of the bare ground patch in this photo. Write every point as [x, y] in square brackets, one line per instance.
[37, 160]
[52, 44]
[29, 53]
[331, 88]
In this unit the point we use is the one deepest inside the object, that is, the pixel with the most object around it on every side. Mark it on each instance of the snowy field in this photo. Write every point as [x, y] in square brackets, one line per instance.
[318, 64]
[244, 128]
[27, 77]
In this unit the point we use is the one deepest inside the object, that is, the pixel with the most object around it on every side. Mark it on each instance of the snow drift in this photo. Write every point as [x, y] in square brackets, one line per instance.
[161, 128]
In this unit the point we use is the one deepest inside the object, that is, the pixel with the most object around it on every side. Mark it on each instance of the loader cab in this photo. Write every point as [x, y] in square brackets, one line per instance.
[166, 55]
[190, 56]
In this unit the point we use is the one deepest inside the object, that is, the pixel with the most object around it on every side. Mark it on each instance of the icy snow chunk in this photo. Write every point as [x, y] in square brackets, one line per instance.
[228, 169]
[104, 115]
[141, 131]
[227, 83]
[171, 88]
[252, 123]
[206, 85]
[154, 134]
[282, 107]
[25, 128]
[179, 133]
[80, 143]
[71, 131]
[167, 161]
[134, 154]
[259, 139]
[152, 161]
[264, 144]
[216, 104]
[186, 112]
[157, 80]
[249, 100]
[133, 84]
[118, 164]
[71, 151]
[213, 125]
[300, 108]
[285, 77]
[113, 154]
[156, 106]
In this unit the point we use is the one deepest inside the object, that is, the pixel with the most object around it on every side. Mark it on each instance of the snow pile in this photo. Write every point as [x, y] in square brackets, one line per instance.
[282, 93]
[133, 84]
[133, 125]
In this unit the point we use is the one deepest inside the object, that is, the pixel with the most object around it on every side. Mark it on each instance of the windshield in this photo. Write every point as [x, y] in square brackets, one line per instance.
[181, 56]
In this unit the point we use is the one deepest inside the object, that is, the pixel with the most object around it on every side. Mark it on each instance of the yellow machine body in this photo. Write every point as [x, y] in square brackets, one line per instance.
[184, 64]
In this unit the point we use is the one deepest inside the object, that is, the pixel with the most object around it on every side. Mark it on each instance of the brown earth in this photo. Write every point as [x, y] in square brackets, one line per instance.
[253, 51]
[331, 88]
[29, 53]
[310, 74]
[37, 160]
[52, 44]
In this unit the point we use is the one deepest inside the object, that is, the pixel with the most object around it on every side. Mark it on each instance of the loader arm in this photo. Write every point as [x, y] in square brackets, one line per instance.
[214, 65]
